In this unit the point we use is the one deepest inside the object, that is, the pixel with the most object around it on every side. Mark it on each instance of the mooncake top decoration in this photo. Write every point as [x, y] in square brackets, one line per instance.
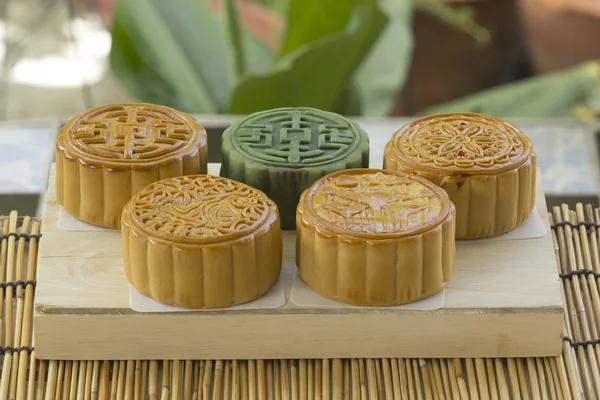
[376, 203]
[295, 137]
[122, 135]
[462, 142]
[199, 209]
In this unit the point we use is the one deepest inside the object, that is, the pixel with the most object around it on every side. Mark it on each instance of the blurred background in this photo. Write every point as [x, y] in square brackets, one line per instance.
[535, 62]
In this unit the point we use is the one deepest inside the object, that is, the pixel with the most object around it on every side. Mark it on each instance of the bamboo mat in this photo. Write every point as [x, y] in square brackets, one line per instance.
[573, 375]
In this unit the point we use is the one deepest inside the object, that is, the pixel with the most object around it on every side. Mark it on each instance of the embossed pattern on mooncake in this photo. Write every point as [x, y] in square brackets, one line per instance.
[130, 133]
[462, 141]
[199, 208]
[485, 164]
[376, 203]
[295, 138]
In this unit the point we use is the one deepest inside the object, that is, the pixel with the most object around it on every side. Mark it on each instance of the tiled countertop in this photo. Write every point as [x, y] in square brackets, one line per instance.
[566, 152]
[26, 152]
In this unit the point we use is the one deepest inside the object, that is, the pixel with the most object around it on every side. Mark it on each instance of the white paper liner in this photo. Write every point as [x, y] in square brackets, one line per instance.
[302, 295]
[274, 298]
[532, 228]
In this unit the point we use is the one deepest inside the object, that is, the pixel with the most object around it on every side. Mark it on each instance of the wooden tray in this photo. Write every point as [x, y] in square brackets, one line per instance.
[504, 300]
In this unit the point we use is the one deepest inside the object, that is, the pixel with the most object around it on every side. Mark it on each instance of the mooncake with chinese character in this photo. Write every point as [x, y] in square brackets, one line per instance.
[201, 241]
[486, 165]
[283, 151]
[108, 153]
[372, 237]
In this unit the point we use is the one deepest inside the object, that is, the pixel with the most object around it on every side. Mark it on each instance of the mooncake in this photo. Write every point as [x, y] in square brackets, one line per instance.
[201, 242]
[283, 151]
[372, 237]
[108, 153]
[485, 164]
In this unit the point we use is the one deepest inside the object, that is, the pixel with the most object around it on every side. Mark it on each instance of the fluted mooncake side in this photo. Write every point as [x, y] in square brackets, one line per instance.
[108, 153]
[283, 151]
[485, 164]
[201, 242]
[375, 238]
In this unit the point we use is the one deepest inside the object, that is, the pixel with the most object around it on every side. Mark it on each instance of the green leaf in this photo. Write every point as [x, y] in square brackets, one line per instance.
[382, 75]
[314, 74]
[170, 39]
[559, 94]
[179, 52]
[259, 58]
[310, 20]
[234, 35]
[138, 77]
[211, 41]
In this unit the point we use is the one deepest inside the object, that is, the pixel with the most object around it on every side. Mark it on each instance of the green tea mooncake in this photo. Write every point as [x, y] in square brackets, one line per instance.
[283, 151]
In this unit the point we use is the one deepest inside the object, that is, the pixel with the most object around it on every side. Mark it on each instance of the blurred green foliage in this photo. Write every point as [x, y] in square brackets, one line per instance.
[572, 93]
[197, 60]
[347, 56]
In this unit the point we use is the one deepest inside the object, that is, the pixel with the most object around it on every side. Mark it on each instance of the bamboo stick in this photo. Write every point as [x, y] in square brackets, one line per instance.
[26, 339]
[251, 379]
[387, 378]
[425, 376]
[59, 380]
[303, 385]
[285, 390]
[453, 379]
[417, 378]
[294, 379]
[39, 394]
[8, 306]
[325, 379]
[103, 386]
[378, 378]
[175, 384]
[270, 387]
[3, 260]
[244, 380]
[227, 380]
[218, 380]
[262, 389]
[153, 380]
[397, 379]
[276, 380]
[543, 383]
[346, 378]
[318, 380]
[18, 325]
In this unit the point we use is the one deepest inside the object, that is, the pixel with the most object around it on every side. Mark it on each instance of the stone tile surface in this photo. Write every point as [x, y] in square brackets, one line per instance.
[565, 152]
[26, 152]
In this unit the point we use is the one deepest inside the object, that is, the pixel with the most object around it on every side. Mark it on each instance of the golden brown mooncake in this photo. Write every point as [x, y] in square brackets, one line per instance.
[372, 237]
[108, 153]
[201, 242]
[485, 164]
